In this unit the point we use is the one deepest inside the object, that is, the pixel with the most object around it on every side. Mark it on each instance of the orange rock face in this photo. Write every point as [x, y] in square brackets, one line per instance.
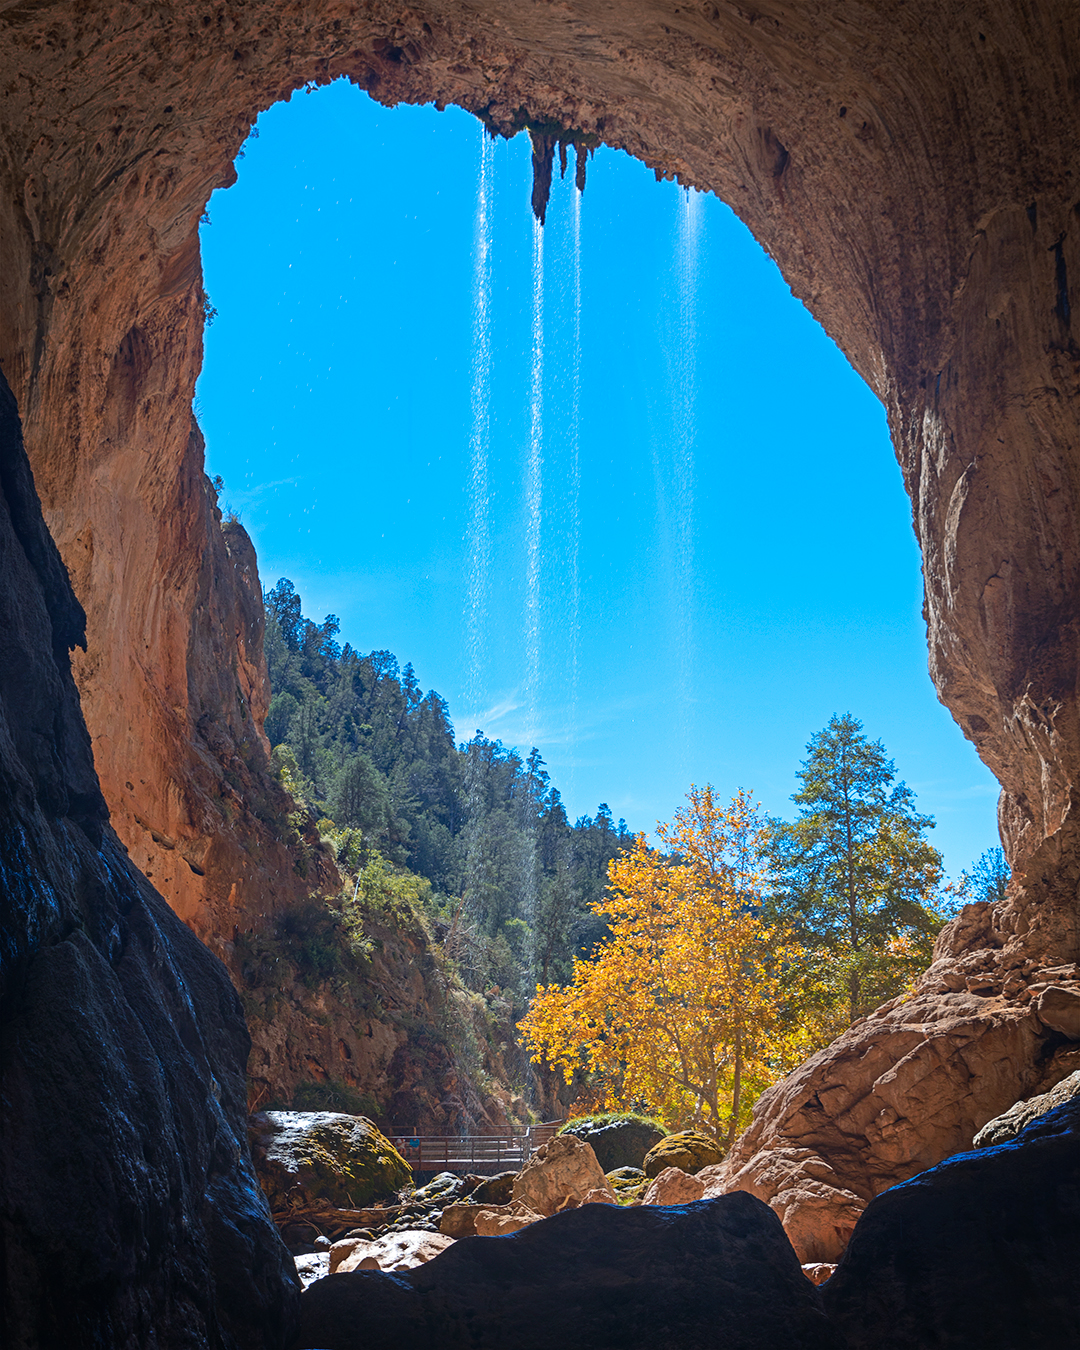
[913, 175]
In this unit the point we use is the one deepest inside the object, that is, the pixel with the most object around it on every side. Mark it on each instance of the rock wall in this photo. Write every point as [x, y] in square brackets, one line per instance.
[129, 1211]
[391, 1034]
[909, 167]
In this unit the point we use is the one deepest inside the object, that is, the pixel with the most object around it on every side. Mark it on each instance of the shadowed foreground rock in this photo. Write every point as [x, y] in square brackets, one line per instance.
[130, 1218]
[979, 1253]
[716, 1273]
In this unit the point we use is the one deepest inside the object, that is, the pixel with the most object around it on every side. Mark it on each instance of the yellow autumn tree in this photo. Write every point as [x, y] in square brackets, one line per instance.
[684, 1007]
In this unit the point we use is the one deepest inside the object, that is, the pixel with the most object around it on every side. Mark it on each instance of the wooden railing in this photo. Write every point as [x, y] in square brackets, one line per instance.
[481, 1154]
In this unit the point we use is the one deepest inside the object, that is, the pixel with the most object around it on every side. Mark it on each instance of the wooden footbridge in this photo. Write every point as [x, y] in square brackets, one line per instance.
[479, 1154]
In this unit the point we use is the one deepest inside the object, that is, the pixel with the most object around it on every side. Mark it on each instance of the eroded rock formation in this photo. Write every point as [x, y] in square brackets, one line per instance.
[910, 169]
[129, 1212]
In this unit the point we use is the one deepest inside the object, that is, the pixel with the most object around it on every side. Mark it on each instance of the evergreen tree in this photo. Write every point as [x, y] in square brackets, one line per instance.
[986, 879]
[856, 880]
[364, 745]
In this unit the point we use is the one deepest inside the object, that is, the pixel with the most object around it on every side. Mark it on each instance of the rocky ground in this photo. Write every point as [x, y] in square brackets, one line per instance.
[980, 1253]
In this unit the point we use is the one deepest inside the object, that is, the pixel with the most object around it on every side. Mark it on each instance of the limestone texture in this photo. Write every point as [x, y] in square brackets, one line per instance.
[564, 1169]
[895, 1094]
[129, 1211]
[684, 1278]
[396, 1251]
[910, 168]
[307, 1158]
[673, 1187]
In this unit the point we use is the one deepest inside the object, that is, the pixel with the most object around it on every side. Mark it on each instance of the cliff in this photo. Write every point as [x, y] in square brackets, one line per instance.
[123, 1148]
[909, 167]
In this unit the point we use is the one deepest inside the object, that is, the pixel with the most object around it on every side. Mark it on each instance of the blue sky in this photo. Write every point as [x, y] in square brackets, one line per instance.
[734, 517]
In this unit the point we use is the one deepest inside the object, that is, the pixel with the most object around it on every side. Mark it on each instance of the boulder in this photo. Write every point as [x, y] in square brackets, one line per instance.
[307, 1158]
[1008, 1126]
[465, 1220]
[597, 1197]
[1058, 1009]
[312, 1266]
[504, 1219]
[689, 1151]
[692, 1277]
[395, 1251]
[818, 1212]
[673, 1187]
[979, 1253]
[564, 1167]
[459, 1220]
[495, 1190]
[617, 1140]
[628, 1183]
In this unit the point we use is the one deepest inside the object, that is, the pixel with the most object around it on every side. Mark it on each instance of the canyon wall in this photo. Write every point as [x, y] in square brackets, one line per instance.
[910, 170]
[130, 1214]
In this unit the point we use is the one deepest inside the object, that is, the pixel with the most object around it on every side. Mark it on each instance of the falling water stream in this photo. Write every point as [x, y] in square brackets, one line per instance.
[684, 422]
[478, 535]
[574, 485]
[534, 494]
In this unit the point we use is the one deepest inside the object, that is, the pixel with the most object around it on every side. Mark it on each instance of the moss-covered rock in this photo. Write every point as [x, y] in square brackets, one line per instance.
[688, 1151]
[628, 1183]
[619, 1139]
[306, 1158]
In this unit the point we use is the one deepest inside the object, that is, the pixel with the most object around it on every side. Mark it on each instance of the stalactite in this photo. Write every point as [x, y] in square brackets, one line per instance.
[543, 155]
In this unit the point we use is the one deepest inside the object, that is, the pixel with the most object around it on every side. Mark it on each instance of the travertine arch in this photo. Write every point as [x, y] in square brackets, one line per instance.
[909, 167]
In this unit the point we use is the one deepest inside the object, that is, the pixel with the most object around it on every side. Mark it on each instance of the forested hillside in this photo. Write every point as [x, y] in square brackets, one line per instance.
[360, 744]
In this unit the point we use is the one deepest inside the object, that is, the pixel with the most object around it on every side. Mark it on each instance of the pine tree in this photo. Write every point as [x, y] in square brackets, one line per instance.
[856, 880]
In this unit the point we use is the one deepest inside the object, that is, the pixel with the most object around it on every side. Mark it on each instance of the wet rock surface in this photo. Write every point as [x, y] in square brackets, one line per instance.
[304, 1158]
[638, 1279]
[129, 1211]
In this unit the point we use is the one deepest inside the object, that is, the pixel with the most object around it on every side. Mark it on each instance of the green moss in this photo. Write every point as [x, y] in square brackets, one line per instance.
[338, 1159]
[689, 1151]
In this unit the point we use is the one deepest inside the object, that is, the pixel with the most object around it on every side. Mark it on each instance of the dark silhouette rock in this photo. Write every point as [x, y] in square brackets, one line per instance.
[719, 1272]
[979, 1253]
[129, 1211]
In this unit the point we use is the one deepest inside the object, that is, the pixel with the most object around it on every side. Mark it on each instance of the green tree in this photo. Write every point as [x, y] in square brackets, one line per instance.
[358, 797]
[986, 879]
[856, 882]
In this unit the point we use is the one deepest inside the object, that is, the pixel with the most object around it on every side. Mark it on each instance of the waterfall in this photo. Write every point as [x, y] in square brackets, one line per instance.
[574, 446]
[534, 466]
[478, 532]
[682, 462]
